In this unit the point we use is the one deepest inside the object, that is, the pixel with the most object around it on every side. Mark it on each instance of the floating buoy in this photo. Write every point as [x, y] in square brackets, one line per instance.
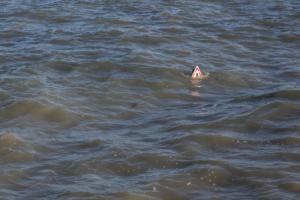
[197, 73]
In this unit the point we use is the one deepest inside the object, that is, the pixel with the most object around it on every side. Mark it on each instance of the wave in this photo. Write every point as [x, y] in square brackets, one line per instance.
[272, 117]
[291, 95]
[37, 111]
[14, 149]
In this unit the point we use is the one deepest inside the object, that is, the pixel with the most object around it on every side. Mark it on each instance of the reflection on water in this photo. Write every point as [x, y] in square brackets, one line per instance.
[97, 100]
[196, 84]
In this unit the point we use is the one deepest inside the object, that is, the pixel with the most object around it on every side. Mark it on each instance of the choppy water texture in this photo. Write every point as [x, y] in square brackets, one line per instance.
[96, 100]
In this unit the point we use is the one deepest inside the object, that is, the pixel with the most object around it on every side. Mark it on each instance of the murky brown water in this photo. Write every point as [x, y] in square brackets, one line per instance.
[96, 101]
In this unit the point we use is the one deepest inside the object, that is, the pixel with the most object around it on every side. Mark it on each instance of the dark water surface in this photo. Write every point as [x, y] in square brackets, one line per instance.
[96, 100]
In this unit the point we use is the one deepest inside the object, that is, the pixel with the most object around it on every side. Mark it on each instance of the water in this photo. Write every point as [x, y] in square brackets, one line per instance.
[96, 100]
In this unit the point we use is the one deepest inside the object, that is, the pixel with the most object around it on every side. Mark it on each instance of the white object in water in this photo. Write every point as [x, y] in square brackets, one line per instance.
[197, 73]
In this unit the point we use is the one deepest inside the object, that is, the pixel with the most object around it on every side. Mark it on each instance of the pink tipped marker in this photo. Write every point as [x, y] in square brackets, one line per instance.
[197, 73]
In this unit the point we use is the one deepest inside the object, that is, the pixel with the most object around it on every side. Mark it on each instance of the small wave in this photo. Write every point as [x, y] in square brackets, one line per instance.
[291, 187]
[275, 111]
[30, 14]
[290, 75]
[112, 21]
[159, 161]
[14, 149]
[280, 95]
[268, 117]
[61, 66]
[11, 34]
[37, 111]
[82, 145]
[286, 156]
[207, 141]
[61, 41]
[203, 179]
[132, 195]
[3, 96]
[100, 35]
[144, 40]
[289, 38]
[288, 141]
[233, 80]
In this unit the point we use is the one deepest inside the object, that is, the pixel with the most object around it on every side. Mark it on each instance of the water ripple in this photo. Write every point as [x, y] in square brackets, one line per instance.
[96, 100]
